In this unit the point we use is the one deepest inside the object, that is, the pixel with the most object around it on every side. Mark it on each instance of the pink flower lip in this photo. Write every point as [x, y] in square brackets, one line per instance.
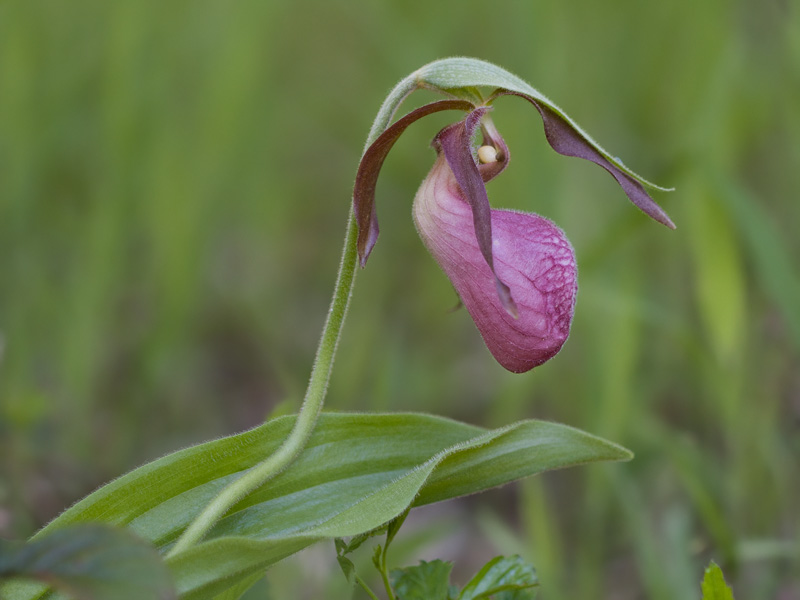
[532, 256]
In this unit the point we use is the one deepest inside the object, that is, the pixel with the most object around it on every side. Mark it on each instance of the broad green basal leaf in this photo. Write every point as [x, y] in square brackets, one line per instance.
[357, 472]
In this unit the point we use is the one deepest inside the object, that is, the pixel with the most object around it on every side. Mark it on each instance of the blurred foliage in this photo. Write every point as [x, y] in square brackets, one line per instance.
[174, 181]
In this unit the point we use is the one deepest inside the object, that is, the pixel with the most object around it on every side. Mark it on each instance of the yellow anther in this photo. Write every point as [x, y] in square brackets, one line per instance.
[487, 154]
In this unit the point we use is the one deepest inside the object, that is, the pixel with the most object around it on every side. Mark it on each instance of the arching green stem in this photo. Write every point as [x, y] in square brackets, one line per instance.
[309, 412]
[323, 364]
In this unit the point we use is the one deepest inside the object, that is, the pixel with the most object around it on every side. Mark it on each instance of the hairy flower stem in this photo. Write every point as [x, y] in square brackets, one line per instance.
[309, 411]
[320, 374]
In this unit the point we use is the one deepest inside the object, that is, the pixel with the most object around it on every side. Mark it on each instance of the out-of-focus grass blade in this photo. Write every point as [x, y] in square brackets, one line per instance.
[770, 254]
[719, 276]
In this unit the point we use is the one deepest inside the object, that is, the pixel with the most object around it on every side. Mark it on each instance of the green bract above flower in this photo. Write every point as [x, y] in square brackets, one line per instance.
[515, 272]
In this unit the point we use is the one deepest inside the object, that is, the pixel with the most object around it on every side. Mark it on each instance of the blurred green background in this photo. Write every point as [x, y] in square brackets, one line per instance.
[174, 183]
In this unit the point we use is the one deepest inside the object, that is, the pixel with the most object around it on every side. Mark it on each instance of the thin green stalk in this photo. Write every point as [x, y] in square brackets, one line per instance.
[385, 577]
[309, 411]
[391, 531]
[366, 588]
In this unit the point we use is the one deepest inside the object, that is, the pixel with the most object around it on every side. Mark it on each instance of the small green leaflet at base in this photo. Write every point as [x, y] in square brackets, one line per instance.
[357, 473]
[714, 586]
[511, 576]
[501, 578]
[348, 568]
[426, 581]
[90, 562]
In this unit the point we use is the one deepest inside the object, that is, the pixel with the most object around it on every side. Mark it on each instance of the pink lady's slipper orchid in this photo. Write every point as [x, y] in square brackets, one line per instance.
[514, 272]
